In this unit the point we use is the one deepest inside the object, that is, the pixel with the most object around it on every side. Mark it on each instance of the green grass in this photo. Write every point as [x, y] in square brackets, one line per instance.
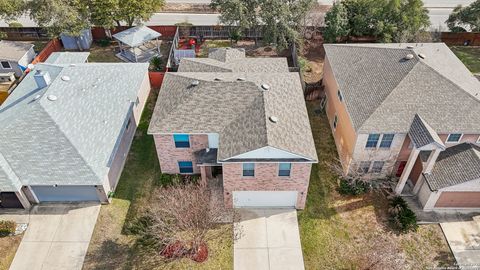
[103, 54]
[470, 56]
[208, 44]
[111, 247]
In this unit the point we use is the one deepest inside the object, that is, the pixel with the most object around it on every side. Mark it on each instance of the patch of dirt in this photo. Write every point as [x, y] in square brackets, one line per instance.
[314, 53]
[8, 248]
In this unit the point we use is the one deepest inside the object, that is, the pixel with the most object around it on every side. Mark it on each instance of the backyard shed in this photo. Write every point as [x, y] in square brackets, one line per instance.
[138, 44]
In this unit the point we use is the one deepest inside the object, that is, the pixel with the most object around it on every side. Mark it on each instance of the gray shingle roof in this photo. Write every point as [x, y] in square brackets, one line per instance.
[67, 58]
[383, 91]
[68, 141]
[136, 36]
[456, 165]
[232, 60]
[238, 110]
[421, 133]
[13, 50]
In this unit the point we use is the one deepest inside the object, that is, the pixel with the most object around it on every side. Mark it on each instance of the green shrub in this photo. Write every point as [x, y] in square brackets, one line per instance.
[156, 64]
[104, 42]
[402, 217]
[15, 24]
[7, 227]
[347, 187]
[235, 36]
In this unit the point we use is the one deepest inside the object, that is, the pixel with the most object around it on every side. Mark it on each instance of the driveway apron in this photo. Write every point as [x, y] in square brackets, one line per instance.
[267, 239]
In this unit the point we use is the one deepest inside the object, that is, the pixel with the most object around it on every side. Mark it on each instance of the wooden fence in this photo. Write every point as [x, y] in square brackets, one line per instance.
[53, 46]
[167, 31]
[472, 39]
[25, 33]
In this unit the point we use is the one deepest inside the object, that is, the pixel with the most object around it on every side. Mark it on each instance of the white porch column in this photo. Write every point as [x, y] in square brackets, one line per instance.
[406, 171]
[432, 200]
[431, 160]
[23, 199]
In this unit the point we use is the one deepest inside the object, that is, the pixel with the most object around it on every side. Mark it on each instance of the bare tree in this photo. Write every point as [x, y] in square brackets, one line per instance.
[182, 218]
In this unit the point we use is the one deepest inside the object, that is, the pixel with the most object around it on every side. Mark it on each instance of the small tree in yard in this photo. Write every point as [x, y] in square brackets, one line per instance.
[336, 21]
[462, 17]
[182, 217]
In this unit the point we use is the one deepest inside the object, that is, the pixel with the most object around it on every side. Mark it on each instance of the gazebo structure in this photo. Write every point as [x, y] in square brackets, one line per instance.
[138, 44]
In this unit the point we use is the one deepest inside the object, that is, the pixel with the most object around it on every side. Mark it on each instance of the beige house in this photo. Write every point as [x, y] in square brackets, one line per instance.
[407, 110]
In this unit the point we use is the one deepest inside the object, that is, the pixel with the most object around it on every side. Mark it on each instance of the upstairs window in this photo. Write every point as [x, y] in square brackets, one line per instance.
[364, 166]
[181, 140]
[377, 166]
[185, 166]
[372, 140]
[454, 137]
[284, 169]
[6, 64]
[387, 140]
[335, 122]
[339, 94]
[248, 169]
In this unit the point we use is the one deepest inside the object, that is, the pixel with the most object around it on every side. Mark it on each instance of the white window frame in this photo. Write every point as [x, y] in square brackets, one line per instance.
[360, 166]
[378, 141]
[248, 176]
[381, 140]
[373, 166]
[8, 63]
[459, 139]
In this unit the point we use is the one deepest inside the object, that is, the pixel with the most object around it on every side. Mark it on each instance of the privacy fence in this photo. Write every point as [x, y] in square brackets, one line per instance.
[472, 39]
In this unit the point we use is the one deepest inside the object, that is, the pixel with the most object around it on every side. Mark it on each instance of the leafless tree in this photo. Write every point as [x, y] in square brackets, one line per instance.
[183, 217]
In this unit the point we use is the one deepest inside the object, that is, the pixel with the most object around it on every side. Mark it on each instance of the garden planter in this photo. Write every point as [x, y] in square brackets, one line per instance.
[201, 254]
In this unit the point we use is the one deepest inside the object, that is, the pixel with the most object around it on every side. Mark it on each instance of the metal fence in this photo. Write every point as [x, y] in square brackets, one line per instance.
[217, 32]
[25, 33]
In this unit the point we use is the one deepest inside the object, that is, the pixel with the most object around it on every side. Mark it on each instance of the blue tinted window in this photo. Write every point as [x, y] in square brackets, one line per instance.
[387, 140]
[185, 166]
[248, 169]
[372, 140]
[284, 169]
[455, 137]
[181, 140]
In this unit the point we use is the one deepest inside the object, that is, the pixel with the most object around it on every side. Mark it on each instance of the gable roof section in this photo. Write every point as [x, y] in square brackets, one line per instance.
[383, 91]
[67, 58]
[70, 140]
[421, 133]
[232, 60]
[13, 50]
[456, 165]
[237, 110]
[137, 35]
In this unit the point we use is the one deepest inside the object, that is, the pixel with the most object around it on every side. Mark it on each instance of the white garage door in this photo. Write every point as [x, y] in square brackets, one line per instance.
[264, 198]
[65, 193]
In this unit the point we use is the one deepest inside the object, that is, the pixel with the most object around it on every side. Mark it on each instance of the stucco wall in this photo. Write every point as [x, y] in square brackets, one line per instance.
[142, 95]
[169, 155]
[266, 178]
[344, 134]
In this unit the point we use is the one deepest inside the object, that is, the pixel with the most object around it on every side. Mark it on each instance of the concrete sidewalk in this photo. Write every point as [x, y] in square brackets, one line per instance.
[57, 236]
[268, 239]
[464, 240]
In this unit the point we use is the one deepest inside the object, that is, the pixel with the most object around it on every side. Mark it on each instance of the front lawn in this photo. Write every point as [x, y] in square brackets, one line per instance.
[470, 56]
[111, 247]
[352, 232]
[8, 248]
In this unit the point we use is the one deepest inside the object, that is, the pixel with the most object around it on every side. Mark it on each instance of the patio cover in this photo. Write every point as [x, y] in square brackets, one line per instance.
[136, 36]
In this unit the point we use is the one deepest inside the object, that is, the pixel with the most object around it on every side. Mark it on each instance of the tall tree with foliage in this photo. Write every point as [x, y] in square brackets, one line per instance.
[11, 9]
[108, 13]
[336, 23]
[240, 13]
[60, 16]
[387, 20]
[465, 17]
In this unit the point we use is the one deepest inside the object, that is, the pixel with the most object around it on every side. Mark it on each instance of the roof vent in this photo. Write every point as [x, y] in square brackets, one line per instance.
[421, 55]
[52, 97]
[195, 83]
[265, 86]
[73, 65]
[241, 79]
[42, 78]
[409, 56]
[409, 47]
[65, 78]
[217, 79]
[37, 97]
[273, 119]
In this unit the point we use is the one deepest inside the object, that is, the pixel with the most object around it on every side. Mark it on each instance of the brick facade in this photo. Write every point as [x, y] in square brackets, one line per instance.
[266, 178]
[169, 155]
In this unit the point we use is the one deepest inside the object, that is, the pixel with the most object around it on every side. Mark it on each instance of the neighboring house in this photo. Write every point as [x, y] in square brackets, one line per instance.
[67, 128]
[15, 56]
[241, 119]
[408, 110]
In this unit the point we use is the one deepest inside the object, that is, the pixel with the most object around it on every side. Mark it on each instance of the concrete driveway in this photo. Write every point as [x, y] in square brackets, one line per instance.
[57, 236]
[267, 239]
[464, 240]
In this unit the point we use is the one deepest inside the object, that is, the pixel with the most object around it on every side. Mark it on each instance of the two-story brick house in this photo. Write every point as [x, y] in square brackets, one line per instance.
[242, 118]
[407, 110]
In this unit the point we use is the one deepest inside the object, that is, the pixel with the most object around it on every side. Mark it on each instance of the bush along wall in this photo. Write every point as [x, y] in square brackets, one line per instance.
[402, 218]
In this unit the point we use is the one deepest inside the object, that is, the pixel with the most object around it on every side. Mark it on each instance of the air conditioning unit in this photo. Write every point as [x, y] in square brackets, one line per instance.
[7, 77]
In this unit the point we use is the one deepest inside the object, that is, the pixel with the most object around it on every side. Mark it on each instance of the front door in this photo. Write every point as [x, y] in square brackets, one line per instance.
[217, 170]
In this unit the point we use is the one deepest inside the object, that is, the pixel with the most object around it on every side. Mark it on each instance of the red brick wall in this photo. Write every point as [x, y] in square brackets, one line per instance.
[169, 156]
[266, 178]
